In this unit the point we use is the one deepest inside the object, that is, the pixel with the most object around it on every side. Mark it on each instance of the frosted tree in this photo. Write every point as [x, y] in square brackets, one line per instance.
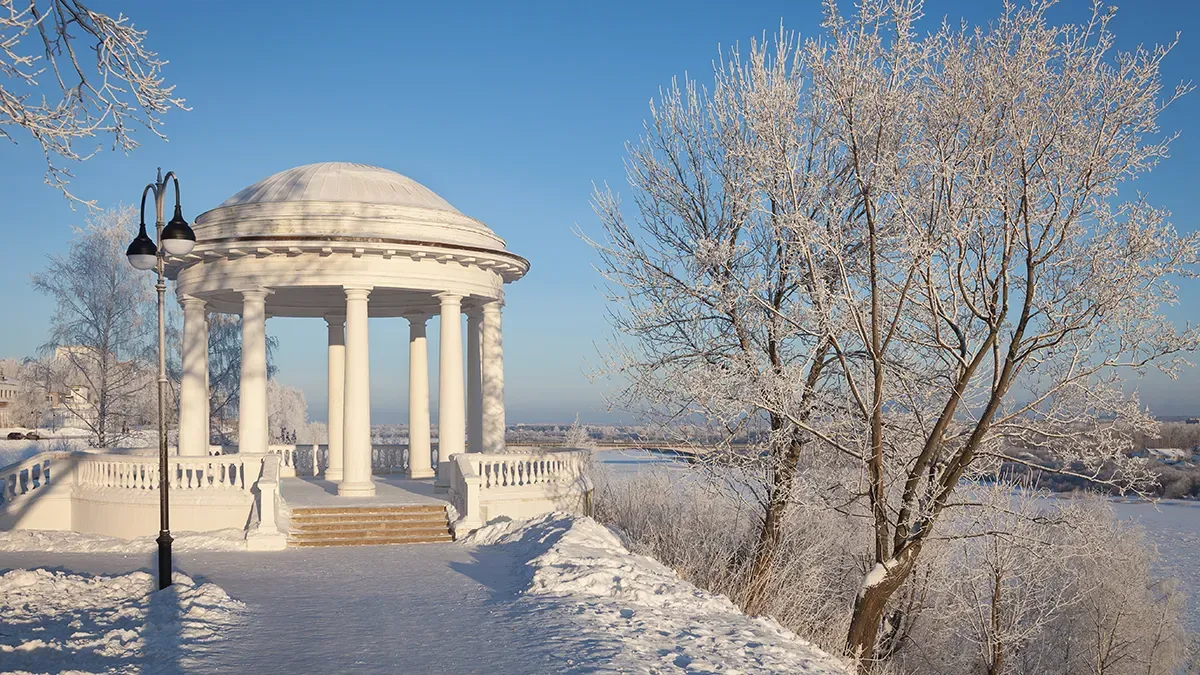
[102, 329]
[70, 75]
[29, 405]
[287, 411]
[904, 259]
[713, 287]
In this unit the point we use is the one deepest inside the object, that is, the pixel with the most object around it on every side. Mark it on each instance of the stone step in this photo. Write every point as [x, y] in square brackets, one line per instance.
[371, 541]
[399, 519]
[351, 531]
[367, 510]
[369, 525]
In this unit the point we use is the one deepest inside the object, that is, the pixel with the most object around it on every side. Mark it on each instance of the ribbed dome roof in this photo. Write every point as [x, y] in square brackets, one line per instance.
[340, 182]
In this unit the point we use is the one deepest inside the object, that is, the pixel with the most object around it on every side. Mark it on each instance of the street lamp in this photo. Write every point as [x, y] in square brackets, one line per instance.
[176, 238]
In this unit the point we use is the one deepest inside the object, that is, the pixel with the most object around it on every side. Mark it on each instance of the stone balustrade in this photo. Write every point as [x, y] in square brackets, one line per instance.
[118, 494]
[23, 478]
[484, 486]
[264, 533]
[310, 460]
[287, 457]
[218, 472]
[389, 458]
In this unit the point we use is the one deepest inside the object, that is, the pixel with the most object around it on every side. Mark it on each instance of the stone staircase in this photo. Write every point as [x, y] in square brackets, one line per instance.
[368, 525]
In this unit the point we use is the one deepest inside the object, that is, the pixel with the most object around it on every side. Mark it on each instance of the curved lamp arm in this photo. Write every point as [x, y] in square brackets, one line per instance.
[174, 179]
[153, 189]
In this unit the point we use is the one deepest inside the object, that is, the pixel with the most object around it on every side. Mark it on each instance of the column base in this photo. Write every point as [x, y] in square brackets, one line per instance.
[332, 474]
[421, 474]
[364, 489]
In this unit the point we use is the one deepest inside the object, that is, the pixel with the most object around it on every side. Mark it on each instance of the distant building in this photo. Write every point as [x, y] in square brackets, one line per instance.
[72, 407]
[8, 396]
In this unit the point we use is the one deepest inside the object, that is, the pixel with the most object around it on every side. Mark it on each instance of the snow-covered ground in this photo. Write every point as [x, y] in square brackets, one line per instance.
[72, 440]
[63, 439]
[56, 621]
[67, 440]
[74, 542]
[554, 595]
[664, 623]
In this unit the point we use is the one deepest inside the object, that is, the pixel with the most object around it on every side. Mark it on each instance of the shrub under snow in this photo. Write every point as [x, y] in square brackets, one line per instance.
[663, 623]
[1015, 584]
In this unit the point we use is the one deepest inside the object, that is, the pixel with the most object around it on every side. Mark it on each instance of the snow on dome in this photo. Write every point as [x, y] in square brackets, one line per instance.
[340, 182]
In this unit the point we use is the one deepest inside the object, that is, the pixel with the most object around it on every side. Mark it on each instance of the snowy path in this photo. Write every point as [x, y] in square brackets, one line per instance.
[436, 608]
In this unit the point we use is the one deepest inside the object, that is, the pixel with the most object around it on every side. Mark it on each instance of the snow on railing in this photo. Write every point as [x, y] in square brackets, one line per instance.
[484, 486]
[219, 472]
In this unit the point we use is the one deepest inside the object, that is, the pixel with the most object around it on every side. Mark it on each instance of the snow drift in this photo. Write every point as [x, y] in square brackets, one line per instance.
[56, 621]
[663, 623]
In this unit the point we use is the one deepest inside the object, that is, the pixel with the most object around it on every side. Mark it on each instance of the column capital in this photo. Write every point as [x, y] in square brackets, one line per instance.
[357, 292]
[334, 319]
[417, 317]
[493, 306]
[254, 292]
[448, 298]
[191, 302]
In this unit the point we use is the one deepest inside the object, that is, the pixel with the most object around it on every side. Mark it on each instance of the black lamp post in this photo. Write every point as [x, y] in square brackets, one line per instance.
[176, 238]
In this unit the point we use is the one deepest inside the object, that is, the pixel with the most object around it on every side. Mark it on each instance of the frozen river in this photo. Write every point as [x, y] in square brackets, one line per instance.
[1173, 526]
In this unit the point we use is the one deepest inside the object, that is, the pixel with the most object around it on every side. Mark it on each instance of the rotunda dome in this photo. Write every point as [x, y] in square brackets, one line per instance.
[306, 235]
[343, 202]
[340, 182]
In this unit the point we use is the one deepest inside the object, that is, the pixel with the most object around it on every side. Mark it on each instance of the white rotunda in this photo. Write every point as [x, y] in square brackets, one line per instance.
[342, 242]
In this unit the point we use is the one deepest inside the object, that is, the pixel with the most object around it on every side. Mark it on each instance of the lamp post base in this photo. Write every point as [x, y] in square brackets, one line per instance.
[164, 559]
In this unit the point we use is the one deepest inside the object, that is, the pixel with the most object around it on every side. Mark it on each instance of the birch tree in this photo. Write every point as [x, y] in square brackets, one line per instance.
[101, 332]
[905, 256]
[69, 75]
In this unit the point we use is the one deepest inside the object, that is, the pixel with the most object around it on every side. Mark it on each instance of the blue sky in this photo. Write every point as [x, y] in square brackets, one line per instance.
[508, 110]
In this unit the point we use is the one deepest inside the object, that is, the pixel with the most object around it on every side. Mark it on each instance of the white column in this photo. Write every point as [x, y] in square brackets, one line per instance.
[337, 390]
[493, 379]
[474, 382]
[193, 400]
[356, 434]
[419, 463]
[252, 400]
[451, 417]
[207, 390]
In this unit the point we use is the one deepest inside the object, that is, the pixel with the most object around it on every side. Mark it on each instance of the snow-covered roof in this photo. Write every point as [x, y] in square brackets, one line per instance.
[340, 182]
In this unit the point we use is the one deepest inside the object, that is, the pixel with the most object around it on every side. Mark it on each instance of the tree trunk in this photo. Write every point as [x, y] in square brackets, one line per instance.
[869, 608]
[771, 534]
